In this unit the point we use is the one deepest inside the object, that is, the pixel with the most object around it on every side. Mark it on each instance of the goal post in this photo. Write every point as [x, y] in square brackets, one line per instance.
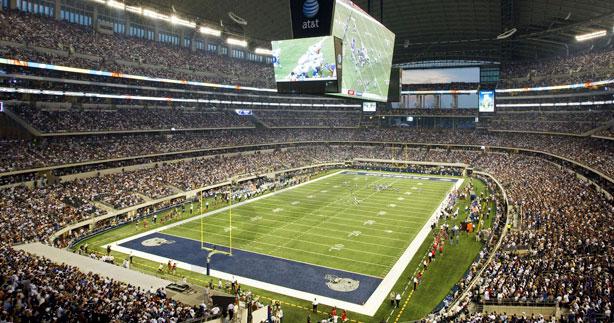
[203, 244]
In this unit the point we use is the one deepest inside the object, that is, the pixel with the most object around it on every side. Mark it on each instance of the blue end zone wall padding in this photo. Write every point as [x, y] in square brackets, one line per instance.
[282, 272]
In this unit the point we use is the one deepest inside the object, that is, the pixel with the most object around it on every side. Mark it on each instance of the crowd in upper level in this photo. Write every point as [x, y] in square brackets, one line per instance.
[592, 66]
[562, 121]
[118, 53]
[111, 119]
[130, 55]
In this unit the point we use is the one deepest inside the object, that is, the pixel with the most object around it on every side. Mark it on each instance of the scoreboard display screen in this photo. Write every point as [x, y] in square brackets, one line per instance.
[304, 59]
[486, 101]
[369, 106]
[367, 52]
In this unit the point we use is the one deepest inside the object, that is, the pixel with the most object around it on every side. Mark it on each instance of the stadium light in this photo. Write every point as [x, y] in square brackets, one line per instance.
[210, 31]
[595, 34]
[263, 51]
[182, 22]
[133, 9]
[116, 4]
[156, 15]
[236, 42]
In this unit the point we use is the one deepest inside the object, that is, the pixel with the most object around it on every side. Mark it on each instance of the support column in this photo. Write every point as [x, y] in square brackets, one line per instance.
[181, 36]
[193, 41]
[126, 24]
[95, 18]
[156, 32]
[13, 4]
[57, 10]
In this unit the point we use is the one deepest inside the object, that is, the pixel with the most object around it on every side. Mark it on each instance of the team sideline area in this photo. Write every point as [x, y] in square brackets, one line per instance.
[318, 161]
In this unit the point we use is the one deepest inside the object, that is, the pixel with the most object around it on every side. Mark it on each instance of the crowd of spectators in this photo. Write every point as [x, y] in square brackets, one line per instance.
[576, 122]
[562, 250]
[113, 119]
[595, 65]
[333, 119]
[35, 289]
[23, 154]
[609, 133]
[123, 54]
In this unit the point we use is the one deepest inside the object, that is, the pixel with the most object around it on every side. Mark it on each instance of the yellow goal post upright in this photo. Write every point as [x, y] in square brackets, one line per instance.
[229, 194]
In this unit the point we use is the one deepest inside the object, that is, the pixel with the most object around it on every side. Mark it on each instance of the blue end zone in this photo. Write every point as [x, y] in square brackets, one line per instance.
[282, 272]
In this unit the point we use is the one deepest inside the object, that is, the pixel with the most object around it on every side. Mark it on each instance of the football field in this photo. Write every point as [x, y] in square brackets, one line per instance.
[359, 222]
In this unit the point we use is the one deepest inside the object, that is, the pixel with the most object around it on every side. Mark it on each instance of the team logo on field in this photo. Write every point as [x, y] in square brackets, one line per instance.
[156, 242]
[339, 284]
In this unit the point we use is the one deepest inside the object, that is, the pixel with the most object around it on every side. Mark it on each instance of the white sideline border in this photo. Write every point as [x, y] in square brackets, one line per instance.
[369, 308]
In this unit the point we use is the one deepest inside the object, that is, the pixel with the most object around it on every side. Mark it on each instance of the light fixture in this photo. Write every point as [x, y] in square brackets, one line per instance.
[156, 15]
[133, 9]
[595, 34]
[210, 31]
[116, 4]
[263, 51]
[236, 42]
[182, 22]
[507, 33]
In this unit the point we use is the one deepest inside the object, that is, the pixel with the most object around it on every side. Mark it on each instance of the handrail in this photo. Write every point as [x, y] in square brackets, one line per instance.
[454, 306]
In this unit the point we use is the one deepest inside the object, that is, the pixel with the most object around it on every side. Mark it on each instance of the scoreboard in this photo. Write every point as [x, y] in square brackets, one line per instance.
[358, 45]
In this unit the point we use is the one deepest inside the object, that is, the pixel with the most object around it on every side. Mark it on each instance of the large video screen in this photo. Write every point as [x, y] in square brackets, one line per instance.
[304, 59]
[487, 101]
[367, 52]
[441, 75]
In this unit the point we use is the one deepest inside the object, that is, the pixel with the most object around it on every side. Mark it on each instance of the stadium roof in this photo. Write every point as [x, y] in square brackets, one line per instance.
[435, 29]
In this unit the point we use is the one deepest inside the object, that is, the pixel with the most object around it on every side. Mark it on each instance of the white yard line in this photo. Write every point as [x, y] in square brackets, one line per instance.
[368, 308]
[327, 236]
[355, 213]
[224, 209]
[326, 219]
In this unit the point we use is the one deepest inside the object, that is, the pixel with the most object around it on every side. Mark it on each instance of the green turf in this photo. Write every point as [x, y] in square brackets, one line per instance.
[432, 290]
[320, 223]
[292, 54]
